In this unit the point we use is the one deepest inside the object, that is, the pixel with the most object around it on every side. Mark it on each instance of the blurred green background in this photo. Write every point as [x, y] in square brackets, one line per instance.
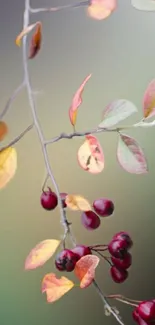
[119, 52]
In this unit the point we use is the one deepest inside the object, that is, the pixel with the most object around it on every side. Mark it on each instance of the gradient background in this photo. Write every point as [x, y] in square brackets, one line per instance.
[119, 52]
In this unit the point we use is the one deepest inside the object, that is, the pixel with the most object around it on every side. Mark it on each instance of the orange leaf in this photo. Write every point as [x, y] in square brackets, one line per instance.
[85, 269]
[77, 101]
[3, 130]
[41, 253]
[90, 155]
[101, 9]
[24, 32]
[36, 41]
[55, 288]
[77, 202]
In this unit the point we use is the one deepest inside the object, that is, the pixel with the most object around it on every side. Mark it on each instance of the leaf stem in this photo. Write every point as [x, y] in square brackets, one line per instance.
[15, 140]
[54, 9]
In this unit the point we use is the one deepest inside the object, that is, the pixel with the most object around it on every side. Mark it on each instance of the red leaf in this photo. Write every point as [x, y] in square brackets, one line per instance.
[90, 155]
[149, 100]
[85, 269]
[130, 155]
[101, 9]
[55, 288]
[36, 41]
[77, 101]
[41, 253]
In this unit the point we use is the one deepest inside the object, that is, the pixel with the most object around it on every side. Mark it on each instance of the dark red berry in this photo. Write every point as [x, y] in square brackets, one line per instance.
[124, 263]
[49, 200]
[118, 275]
[123, 235]
[103, 207]
[90, 220]
[135, 314]
[117, 248]
[66, 260]
[81, 250]
[63, 197]
[146, 310]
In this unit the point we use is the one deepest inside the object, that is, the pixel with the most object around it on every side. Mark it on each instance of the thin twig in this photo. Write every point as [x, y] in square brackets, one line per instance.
[54, 9]
[125, 300]
[106, 303]
[15, 140]
[37, 126]
[9, 102]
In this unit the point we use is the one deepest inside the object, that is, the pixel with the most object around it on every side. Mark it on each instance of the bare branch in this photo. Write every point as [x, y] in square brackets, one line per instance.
[14, 141]
[9, 102]
[54, 9]
[37, 126]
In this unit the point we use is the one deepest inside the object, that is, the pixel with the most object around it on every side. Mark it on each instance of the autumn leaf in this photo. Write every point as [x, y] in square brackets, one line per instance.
[144, 5]
[77, 101]
[55, 288]
[85, 269]
[8, 165]
[3, 130]
[130, 155]
[149, 100]
[36, 41]
[77, 202]
[25, 31]
[41, 253]
[101, 9]
[117, 111]
[90, 155]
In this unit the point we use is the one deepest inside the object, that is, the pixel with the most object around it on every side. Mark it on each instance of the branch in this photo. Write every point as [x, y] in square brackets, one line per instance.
[37, 126]
[125, 300]
[54, 9]
[18, 137]
[99, 130]
[106, 304]
[9, 102]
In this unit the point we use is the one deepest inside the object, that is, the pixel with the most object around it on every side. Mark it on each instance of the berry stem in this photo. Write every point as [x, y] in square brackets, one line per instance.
[105, 257]
[125, 300]
[106, 303]
[96, 246]
[37, 126]
[45, 181]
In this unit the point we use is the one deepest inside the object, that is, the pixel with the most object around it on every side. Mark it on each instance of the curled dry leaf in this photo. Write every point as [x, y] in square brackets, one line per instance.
[41, 253]
[101, 9]
[8, 165]
[77, 202]
[90, 155]
[36, 41]
[149, 100]
[130, 155]
[77, 101]
[117, 111]
[3, 130]
[24, 32]
[144, 5]
[85, 269]
[55, 288]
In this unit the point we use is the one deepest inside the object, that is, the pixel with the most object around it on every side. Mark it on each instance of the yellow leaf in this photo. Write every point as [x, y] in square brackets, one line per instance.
[77, 202]
[41, 253]
[55, 288]
[24, 32]
[8, 165]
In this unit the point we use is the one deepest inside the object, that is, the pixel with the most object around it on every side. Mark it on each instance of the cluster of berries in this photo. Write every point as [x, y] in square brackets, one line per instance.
[103, 207]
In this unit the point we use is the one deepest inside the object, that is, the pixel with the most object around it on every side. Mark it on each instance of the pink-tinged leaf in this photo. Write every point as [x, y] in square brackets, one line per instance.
[117, 111]
[55, 288]
[149, 100]
[41, 253]
[101, 9]
[130, 155]
[144, 5]
[77, 101]
[85, 269]
[90, 155]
